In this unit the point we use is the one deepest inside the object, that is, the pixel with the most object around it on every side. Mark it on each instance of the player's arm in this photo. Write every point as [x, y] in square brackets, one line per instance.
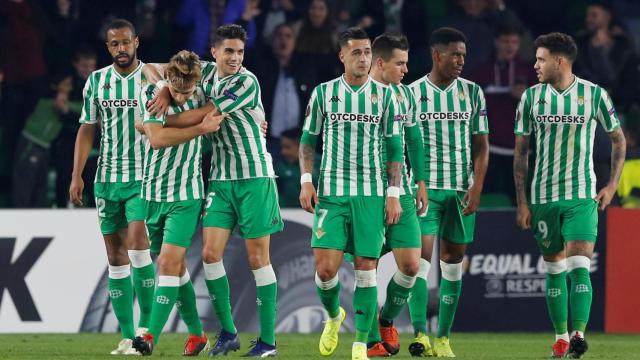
[480, 147]
[84, 139]
[609, 120]
[314, 117]
[191, 117]
[521, 160]
[415, 152]
[162, 137]
[154, 74]
[393, 143]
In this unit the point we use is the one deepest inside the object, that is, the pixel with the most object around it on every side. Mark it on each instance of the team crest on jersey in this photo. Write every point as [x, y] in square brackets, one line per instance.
[400, 97]
[374, 98]
[320, 233]
[580, 100]
[461, 95]
[546, 243]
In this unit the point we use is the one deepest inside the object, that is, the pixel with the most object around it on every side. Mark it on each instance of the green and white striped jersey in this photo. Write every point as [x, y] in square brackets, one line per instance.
[406, 110]
[112, 99]
[354, 123]
[565, 124]
[239, 149]
[173, 173]
[449, 117]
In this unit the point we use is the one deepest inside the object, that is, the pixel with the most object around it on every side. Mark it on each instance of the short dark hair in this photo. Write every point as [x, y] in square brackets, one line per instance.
[122, 23]
[559, 44]
[230, 31]
[84, 52]
[293, 134]
[446, 36]
[508, 28]
[384, 45]
[352, 33]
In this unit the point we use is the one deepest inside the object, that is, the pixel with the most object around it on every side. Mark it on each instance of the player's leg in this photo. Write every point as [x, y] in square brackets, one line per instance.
[455, 233]
[188, 310]
[218, 220]
[329, 240]
[367, 223]
[546, 225]
[579, 229]
[112, 219]
[142, 269]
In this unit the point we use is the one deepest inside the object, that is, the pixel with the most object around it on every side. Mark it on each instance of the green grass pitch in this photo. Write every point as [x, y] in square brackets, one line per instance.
[293, 346]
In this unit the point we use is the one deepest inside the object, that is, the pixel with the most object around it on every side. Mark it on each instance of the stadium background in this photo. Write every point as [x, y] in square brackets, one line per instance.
[46, 41]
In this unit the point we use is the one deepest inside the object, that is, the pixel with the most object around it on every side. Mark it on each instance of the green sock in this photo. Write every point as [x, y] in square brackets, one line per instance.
[186, 304]
[266, 297]
[144, 284]
[449, 296]
[330, 298]
[581, 294]
[557, 301]
[374, 330]
[418, 305]
[398, 291]
[365, 300]
[219, 293]
[121, 295]
[165, 297]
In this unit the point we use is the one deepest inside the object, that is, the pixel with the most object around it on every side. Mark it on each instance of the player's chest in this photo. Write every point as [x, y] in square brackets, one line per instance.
[440, 106]
[119, 94]
[364, 110]
[571, 110]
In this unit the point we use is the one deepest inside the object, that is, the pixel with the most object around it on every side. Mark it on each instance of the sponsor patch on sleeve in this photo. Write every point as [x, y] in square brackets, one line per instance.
[612, 111]
[230, 95]
[483, 112]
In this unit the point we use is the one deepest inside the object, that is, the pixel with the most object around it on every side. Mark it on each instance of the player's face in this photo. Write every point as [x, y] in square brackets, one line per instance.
[229, 54]
[547, 66]
[181, 95]
[122, 46]
[356, 57]
[289, 150]
[84, 67]
[393, 71]
[450, 59]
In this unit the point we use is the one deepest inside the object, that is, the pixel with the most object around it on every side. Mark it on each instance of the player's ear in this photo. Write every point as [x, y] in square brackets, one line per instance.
[136, 42]
[213, 51]
[341, 56]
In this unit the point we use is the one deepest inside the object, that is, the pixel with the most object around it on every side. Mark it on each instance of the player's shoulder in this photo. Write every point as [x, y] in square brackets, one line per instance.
[588, 84]
[100, 73]
[416, 83]
[470, 84]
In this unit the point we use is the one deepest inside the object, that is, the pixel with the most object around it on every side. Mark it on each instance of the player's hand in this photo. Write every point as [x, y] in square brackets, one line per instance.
[263, 128]
[471, 200]
[308, 197]
[211, 122]
[605, 195]
[75, 190]
[160, 103]
[422, 199]
[138, 125]
[523, 216]
[392, 210]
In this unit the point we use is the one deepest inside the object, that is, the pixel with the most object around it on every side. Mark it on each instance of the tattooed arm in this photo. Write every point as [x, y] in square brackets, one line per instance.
[520, 174]
[618, 151]
[306, 156]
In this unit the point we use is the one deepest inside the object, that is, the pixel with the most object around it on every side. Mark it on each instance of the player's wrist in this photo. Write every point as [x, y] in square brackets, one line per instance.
[393, 192]
[305, 178]
[161, 84]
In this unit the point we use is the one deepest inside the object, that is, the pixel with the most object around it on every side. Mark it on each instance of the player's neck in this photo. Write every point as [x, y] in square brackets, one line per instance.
[129, 69]
[355, 80]
[439, 80]
[563, 81]
[377, 76]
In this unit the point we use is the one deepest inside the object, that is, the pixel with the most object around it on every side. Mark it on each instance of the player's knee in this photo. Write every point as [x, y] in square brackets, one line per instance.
[325, 273]
[168, 264]
[119, 272]
[425, 266]
[257, 261]
[118, 257]
[264, 276]
[410, 267]
[140, 258]
[210, 256]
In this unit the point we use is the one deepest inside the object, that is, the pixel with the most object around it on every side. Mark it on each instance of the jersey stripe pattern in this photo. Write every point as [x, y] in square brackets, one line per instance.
[354, 123]
[564, 124]
[406, 110]
[112, 100]
[449, 117]
[173, 173]
[239, 149]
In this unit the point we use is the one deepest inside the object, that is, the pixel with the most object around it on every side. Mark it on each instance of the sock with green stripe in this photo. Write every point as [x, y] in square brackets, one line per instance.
[220, 294]
[165, 297]
[121, 295]
[144, 281]
[186, 304]
[419, 299]
[450, 288]
[266, 298]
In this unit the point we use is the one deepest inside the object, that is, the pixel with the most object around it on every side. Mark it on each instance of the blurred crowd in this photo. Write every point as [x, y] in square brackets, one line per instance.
[49, 48]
